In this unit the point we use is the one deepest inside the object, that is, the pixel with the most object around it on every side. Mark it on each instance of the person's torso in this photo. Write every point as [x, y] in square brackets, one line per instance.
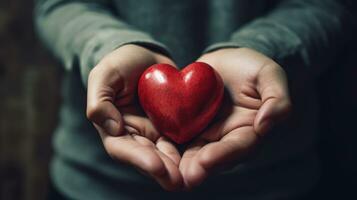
[186, 27]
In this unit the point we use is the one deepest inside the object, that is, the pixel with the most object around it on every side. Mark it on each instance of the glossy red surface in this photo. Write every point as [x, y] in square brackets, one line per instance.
[180, 103]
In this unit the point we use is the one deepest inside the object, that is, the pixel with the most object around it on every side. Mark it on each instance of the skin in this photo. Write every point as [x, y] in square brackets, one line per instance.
[127, 134]
[257, 98]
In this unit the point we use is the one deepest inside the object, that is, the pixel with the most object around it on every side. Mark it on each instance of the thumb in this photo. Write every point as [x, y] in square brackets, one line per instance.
[273, 89]
[104, 82]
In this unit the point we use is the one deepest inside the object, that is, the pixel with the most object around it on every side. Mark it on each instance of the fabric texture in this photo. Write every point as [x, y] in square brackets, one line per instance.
[296, 33]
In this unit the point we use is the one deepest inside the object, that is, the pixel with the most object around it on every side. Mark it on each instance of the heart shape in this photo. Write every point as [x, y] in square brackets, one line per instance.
[180, 103]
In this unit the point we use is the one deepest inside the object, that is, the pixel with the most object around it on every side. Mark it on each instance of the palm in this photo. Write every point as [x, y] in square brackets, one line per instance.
[127, 134]
[256, 95]
[145, 148]
[149, 153]
[231, 137]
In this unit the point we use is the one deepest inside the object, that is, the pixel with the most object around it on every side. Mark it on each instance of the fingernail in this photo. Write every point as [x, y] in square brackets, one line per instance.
[111, 127]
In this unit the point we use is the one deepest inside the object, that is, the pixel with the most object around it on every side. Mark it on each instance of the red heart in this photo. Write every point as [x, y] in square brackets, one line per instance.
[180, 104]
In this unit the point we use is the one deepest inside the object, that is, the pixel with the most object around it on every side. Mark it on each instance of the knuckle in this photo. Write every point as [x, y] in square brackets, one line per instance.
[92, 111]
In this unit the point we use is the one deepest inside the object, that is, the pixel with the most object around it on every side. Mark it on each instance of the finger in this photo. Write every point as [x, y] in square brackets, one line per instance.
[169, 149]
[103, 84]
[192, 173]
[142, 126]
[127, 150]
[237, 118]
[273, 88]
[272, 111]
[216, 155]
[232, 147]
[143, 141]
[172, 180]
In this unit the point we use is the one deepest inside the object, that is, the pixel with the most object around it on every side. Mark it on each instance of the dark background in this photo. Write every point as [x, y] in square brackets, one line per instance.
[30, 95]
[29, 89]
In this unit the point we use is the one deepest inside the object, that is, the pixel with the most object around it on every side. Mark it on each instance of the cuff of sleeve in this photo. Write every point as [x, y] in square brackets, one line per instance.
[106, 42]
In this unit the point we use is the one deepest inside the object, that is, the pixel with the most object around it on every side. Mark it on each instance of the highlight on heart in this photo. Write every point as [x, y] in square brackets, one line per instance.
[180, 103]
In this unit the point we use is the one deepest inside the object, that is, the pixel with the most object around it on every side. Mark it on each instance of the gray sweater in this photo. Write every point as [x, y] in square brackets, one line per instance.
[299, 34]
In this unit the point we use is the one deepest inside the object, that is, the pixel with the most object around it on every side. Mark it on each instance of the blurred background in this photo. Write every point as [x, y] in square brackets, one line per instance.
[30, 95]
[29, 88]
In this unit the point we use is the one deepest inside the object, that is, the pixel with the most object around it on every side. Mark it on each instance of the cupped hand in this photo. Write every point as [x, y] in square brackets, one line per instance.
[257, 97]
[127, 134]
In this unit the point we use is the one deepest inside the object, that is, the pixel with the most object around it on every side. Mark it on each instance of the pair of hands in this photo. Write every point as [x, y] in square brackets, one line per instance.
[257, 98]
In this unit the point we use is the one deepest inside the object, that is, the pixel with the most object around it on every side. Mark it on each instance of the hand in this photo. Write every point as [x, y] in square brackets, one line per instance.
[127, 134]
[257, 99]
